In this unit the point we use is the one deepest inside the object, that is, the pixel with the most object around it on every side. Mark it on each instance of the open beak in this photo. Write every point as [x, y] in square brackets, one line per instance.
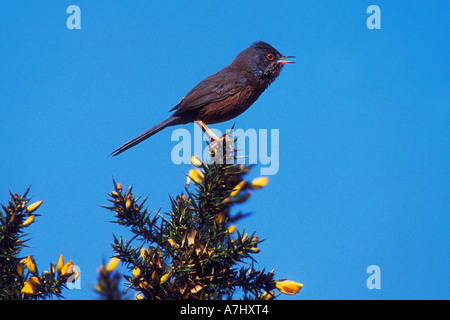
[282, 61]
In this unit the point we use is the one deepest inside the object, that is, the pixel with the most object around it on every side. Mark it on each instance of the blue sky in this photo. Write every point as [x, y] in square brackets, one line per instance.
[363, 118]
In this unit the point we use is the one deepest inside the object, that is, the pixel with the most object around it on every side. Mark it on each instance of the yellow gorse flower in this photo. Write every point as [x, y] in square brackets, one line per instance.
[28, 221]
[259, 182]
[237, 189]
[196, 175]
[60, 264]
[165, 277]
[112, 264]
[136, 272]
[196, 161]
[20, 268]
[289, 286]
[231, 228]
[144, 254]
[67, 268]
[31, 266]
[34, 281]
[27, 288]
[33, 207]
[139, 296]
[128, 203]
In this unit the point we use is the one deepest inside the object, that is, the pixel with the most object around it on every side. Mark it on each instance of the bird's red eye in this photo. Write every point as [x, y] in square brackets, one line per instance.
[270, 56]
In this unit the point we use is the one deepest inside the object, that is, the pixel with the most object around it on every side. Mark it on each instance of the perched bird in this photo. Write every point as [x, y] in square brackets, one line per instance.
[225, 94]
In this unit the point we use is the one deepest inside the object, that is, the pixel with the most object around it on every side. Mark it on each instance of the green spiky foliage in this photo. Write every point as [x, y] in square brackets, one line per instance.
[19, 275]
[192, 252]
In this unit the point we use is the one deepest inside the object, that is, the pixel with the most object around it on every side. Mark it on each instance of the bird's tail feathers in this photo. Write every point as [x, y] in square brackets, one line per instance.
[147, 134]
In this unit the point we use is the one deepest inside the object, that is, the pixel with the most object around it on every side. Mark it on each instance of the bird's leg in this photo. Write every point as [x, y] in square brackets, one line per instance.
[215, 140]
[208, 132]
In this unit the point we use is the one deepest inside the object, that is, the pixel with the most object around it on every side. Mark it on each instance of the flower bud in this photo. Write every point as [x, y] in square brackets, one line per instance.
[196, 161]
[144, 254]
[31, 266]
[33, 207]
[34, 281]
[128, 204]
[196, 175]
[289, 286]
[20, 268]
[165, 277]
[259, 182]
[60, 264]
[67, 268]
[28, 221]
[231, 228]
[136, 273]
[254, 250]
[237, 189]
[27, 288]
[112, 264]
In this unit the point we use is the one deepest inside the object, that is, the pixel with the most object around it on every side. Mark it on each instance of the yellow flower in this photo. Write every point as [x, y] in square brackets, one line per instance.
[67, 268]
[31, 266]
[136, 272]
[254, 250]
[196, 175]
[119, 187]
[139, 296]
[237, 189]
[231, 228]
[196, 161]
[258, 183]
[20, 267]
[60, 264]
[128, 203]
[112, 264]
[27, 288]
[34, 281]
[33, 207]
[28, 221]
[144, 254]
[289, 286]
[165, 277]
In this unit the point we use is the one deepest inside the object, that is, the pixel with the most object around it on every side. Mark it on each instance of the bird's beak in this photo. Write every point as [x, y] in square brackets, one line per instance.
[282, 61]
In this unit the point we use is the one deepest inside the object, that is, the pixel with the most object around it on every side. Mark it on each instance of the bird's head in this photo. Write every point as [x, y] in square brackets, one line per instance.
[262, 60]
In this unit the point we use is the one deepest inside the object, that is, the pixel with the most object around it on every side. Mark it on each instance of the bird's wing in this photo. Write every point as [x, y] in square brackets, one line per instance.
[208, 91]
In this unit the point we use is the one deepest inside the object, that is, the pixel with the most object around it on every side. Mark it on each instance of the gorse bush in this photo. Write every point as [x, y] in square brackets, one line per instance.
[193, 251]
[19, 275]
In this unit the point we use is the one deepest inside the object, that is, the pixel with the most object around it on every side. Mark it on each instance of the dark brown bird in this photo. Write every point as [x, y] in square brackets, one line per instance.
[225, 94]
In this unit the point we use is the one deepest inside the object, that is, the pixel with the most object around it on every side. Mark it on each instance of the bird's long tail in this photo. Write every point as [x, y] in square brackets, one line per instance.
[147, 134]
